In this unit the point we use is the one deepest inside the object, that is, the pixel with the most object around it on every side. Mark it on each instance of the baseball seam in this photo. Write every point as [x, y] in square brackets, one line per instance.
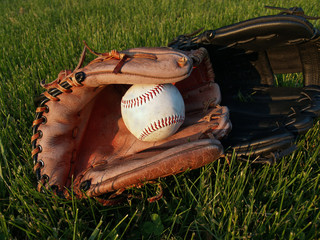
[161, 123]
[147, 96]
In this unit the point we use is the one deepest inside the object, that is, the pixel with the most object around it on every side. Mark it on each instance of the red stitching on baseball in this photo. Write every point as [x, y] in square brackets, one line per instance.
[163, 122]
[138, 101]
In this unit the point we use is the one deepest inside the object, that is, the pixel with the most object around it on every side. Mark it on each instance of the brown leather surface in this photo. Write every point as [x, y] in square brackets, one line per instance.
[163, 69]
[84, 138]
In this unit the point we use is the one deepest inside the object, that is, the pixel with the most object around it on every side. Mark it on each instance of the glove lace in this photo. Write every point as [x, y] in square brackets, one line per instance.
[63, 84]
[50, 95]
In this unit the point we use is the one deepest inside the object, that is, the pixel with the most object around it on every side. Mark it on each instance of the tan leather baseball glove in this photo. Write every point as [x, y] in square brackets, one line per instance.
[79, 138]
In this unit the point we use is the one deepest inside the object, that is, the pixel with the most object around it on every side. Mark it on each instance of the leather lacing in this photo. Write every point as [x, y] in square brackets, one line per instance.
[70, 81]
[122, 57]
[119, 196]
[116, 197]
[192, 40]
[65, 85]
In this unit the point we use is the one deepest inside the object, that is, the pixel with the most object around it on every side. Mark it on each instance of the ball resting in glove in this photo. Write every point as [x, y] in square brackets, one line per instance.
[80, 138]
[152, 112]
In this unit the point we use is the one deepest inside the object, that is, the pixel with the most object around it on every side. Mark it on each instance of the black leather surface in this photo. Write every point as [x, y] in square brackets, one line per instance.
[271, 118]
[248, 58]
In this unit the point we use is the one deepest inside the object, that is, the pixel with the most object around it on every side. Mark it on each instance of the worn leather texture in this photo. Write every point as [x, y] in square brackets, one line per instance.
[79, 137]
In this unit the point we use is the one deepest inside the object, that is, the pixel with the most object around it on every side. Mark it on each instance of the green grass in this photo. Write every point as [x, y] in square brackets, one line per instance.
[218, 201]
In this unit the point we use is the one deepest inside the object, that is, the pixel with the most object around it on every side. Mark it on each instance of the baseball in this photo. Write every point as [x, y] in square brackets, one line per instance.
[152, 112]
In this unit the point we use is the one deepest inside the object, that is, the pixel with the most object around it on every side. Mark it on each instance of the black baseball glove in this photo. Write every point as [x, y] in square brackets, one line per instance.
[251, 61]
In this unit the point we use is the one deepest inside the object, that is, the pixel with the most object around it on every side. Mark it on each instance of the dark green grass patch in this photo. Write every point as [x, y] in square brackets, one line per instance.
[218, 201]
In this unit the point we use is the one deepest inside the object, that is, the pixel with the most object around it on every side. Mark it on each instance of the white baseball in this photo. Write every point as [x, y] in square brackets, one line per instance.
[152, 112]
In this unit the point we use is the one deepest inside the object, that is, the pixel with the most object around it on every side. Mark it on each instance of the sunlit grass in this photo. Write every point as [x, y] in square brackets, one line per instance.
[218, 201]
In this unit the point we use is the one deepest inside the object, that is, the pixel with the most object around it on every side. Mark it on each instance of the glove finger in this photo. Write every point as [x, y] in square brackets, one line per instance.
[140, 168]
[264, 148]
[142, 66]
[271, 119]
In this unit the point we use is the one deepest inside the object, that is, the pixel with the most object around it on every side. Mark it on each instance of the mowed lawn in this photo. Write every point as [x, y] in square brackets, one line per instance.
[219, 201]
